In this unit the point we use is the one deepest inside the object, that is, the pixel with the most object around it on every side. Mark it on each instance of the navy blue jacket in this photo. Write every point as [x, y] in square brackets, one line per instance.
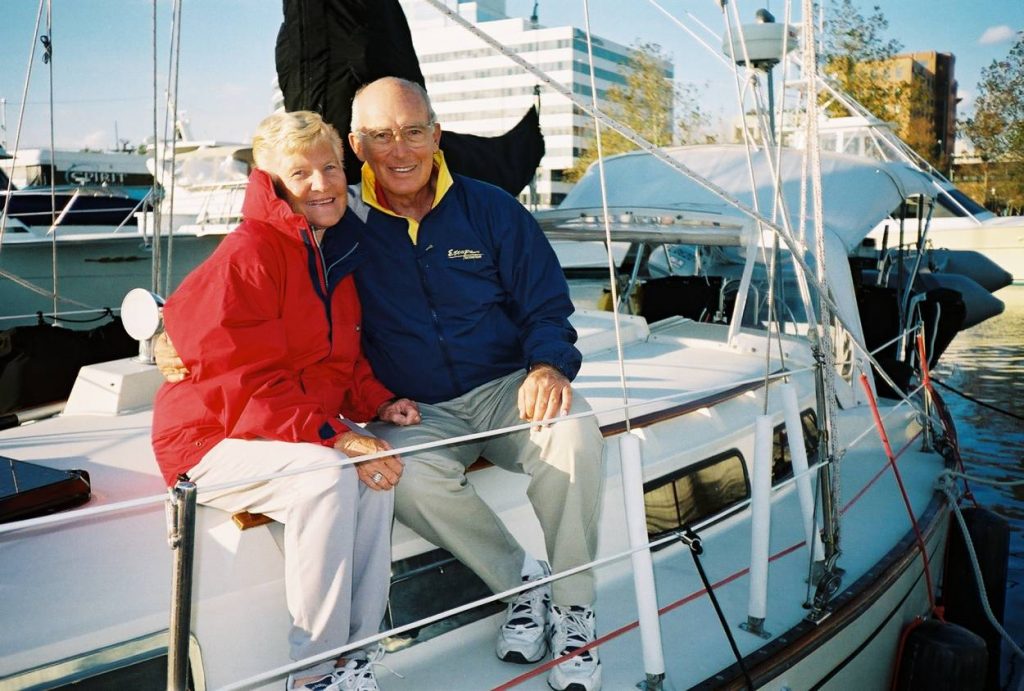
[478, 296]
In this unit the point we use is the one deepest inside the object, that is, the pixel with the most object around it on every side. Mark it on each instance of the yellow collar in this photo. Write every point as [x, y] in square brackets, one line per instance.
[370, 187]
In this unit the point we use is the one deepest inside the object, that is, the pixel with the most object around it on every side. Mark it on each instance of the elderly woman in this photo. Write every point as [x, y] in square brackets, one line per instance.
[269, 329]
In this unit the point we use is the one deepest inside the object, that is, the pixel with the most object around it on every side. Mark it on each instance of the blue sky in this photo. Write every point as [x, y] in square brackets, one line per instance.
[103, 64]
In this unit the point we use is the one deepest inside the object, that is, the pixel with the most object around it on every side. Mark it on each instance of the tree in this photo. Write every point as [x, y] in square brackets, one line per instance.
[646, 103]
[867, 67]
[996, 129]
[856, 55]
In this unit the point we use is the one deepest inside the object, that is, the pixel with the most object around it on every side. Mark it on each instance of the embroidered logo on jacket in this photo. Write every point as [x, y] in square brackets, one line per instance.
[465, 254]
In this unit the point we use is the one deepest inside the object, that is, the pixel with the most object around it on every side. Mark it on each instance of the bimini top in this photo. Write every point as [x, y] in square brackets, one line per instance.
[857, 192]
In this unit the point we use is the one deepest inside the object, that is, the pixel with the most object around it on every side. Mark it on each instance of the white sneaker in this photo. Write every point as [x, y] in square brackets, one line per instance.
[325, 682]
[356, 675]
[523, 637]
[571, 629]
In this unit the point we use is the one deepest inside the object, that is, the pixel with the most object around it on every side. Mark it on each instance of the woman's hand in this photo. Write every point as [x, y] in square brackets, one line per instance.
[379, 473]
[399, 411]
[167, 359]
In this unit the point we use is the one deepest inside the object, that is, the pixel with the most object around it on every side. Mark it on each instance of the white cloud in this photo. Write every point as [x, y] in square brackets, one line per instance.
[997, 34]
[96, 140]
[966, 97]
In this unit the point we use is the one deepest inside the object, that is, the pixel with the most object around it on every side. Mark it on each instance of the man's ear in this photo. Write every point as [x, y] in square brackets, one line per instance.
[357, 146]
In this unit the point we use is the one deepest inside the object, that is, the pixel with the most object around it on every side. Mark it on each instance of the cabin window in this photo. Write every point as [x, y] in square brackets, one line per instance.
[700, 491]
[695, 493]
[782, 461]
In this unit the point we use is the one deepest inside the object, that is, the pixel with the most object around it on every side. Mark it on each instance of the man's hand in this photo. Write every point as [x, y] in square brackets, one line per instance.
[167, 360]
[400, 411]
[380, 473]
[545, 394]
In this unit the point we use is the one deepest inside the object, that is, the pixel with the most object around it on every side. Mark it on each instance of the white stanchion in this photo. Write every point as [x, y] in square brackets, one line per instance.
[643, 565]
[760, 524]
[798, 456]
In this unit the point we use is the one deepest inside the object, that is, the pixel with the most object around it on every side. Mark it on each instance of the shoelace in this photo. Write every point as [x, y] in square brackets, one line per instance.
[524, 605]
[577, 631]
[359, 674]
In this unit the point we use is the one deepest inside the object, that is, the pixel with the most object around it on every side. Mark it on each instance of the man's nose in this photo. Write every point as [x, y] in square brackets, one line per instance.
[399, 144]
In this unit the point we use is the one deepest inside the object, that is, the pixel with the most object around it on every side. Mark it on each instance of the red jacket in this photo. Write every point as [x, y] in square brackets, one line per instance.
[270, 334]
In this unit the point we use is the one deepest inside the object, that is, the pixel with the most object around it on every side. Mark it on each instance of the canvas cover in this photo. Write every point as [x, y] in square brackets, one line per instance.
[327, 49]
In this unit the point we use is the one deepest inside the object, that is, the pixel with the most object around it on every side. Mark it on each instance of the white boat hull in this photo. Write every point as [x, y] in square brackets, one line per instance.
[112, 606]
[94, 270]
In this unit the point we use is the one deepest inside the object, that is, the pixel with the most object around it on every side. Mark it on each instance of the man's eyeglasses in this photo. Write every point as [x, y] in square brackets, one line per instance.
[412, 135]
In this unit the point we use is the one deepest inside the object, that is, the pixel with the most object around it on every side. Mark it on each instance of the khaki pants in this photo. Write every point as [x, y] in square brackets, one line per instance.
[337, 534]
[565, 465]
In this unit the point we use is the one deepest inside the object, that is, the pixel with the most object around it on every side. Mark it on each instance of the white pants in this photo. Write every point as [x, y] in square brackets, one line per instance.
[337, 534]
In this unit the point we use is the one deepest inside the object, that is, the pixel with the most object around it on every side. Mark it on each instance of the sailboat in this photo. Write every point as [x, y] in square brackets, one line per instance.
[769, 517]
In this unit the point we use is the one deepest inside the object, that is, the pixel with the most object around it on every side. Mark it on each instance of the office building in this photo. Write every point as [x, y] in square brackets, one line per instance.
[479, 91]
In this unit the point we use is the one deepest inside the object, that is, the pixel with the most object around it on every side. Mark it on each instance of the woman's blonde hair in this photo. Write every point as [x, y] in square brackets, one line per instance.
[290, 133]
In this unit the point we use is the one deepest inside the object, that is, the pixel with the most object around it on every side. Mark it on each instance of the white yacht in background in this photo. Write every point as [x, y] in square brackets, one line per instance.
[958, 223]
[98, 230]
[208, 180]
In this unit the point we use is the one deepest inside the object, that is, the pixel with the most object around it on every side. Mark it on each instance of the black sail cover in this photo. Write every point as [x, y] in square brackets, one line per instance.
[327, 49]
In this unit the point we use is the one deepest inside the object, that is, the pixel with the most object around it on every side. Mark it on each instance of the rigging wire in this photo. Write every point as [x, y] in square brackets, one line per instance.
[47, 41]
[826, 316]
[176, 52]
[21, 120]
[612, 273]
[154, 278]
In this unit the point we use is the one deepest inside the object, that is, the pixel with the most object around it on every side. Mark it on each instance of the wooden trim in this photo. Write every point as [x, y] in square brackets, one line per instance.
[681, 409]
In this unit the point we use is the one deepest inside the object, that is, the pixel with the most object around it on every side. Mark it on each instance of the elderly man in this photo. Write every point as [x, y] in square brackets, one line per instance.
[465, 310]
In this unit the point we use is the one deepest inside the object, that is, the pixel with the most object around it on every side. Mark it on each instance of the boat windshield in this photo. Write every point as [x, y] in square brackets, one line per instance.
[952, 202]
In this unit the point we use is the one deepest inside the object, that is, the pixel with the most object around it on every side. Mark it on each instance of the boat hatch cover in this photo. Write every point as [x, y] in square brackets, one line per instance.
[28, 490]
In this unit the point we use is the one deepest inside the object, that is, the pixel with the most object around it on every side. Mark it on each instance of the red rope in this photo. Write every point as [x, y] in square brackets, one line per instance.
[903, 491]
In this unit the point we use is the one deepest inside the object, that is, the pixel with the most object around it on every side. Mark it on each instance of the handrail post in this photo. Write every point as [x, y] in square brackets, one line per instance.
[181, 533]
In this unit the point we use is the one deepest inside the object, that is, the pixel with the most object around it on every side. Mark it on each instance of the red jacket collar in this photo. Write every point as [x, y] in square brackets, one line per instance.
[261, 203]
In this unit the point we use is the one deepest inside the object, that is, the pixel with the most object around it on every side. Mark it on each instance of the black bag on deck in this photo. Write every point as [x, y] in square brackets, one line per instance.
[38, 364]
